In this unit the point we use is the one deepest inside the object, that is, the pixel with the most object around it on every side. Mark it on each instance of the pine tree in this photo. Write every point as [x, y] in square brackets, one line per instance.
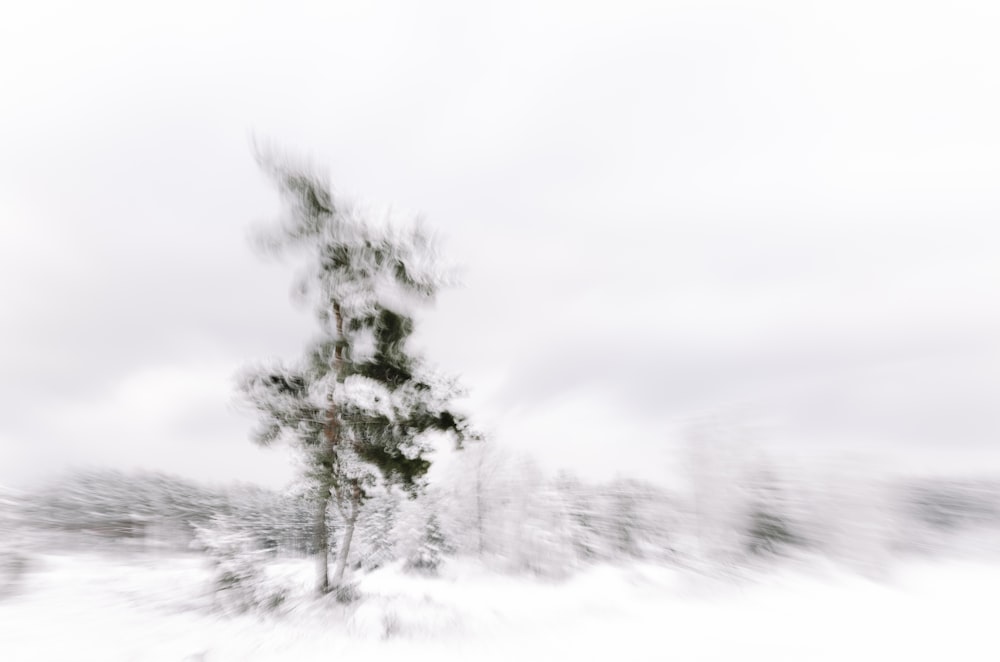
[359, 404]
[377, 533]
[432, 548]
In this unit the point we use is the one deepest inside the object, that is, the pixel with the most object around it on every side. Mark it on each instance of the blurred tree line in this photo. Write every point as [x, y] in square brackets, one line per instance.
[506, 512]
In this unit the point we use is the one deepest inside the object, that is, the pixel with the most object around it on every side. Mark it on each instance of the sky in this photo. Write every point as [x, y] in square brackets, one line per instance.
[780, 217]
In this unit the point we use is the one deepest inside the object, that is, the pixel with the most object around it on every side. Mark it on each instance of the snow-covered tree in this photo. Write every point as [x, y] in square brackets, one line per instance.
[768, 525]
[378, 543]
[717, 451]
[359, 405]
[471, 497]
[583, 519]
[431, 548]
[237, 558]
[532, 522]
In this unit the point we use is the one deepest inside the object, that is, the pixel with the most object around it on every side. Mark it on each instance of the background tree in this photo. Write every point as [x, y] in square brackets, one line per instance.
[471, 487]
[433, 546]
[378, 530]
[359, 404]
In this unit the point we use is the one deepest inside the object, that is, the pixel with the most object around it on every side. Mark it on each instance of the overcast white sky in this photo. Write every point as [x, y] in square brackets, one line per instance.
[663, 209]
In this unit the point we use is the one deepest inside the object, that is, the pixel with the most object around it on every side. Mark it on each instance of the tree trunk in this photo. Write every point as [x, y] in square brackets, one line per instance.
[322, 542]
[344, 550]
[332, 439]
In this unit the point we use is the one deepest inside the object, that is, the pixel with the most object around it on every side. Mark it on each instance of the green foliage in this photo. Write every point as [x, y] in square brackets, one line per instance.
[360, 276]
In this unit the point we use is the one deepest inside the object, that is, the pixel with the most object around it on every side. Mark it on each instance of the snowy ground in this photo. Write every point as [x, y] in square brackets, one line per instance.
[104, 607]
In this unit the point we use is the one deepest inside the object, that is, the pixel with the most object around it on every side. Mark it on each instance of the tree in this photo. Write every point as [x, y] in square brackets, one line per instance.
[359, 405]
[472, 487]
[378, 530]
[431, 548]
[582, 518]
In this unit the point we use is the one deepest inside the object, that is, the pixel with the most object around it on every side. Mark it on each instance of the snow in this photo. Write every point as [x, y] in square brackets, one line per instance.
[366, 395]
[102, 606]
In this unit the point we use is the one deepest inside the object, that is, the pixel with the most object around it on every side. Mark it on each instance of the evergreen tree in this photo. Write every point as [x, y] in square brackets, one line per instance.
[377, 531]
[359, 404]
[432, 548]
